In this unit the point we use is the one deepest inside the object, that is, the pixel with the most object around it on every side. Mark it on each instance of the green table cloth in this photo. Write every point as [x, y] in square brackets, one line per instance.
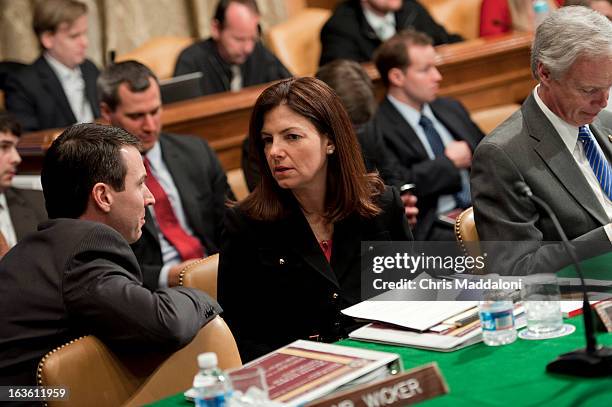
[511, 375]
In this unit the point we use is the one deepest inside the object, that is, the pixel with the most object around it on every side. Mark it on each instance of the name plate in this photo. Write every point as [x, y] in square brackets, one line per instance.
[415, 385]
[604, 311]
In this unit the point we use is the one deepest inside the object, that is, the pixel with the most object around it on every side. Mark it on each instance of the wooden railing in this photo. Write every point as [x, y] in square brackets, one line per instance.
[480, 73]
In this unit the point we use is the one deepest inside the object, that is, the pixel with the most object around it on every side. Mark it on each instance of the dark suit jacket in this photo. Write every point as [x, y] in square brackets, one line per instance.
[347, 34]
[276, 285]
[35, 96]
[203, 189]
[432, 177]
[527, 148]
[261, 67]
[376, 158]
[27, 210]
[75, 277]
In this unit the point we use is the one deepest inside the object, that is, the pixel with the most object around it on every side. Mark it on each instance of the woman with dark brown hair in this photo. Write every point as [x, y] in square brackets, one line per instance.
[290, 254]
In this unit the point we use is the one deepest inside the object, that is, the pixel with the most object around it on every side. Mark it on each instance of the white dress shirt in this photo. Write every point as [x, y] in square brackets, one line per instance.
[74, 88]
[170, 256]
[569, 136]
[384, 26]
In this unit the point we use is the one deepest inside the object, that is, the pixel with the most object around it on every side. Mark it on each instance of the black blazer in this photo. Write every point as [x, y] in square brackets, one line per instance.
[27, 210]
[347, 34]
[260, 67]
[203, 189]
[432, 177]
[276, 285]
[75, 277]
[35, 96]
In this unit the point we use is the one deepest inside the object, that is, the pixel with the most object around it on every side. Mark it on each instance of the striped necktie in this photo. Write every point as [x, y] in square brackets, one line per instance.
[597, 160]
[187, 246]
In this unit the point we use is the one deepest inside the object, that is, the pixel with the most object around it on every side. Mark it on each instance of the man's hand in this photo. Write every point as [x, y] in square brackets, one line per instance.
[459, 153]
[410, 208]
[175, 271]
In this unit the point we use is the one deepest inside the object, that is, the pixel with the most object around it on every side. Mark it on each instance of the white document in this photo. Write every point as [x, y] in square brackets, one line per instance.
[418, 315]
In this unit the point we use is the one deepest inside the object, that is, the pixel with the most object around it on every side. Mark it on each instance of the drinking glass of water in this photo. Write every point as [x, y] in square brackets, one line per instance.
[250, 388]
[541, 299]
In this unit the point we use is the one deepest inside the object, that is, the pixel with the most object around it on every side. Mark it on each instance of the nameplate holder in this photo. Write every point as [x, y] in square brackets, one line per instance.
[604, 312]
[413, 386]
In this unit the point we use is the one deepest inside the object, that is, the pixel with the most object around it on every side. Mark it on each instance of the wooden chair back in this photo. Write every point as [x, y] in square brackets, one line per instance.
[159, 54]
[296, 41]
[202, 275]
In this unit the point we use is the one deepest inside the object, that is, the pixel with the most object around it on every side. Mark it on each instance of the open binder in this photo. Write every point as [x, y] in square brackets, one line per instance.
[304, 371]
[445, 341]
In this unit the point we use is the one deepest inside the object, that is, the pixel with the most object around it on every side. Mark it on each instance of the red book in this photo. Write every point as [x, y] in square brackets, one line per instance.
[572, 308]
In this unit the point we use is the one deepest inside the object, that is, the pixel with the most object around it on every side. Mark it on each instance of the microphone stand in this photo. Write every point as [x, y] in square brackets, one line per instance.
[594, 360]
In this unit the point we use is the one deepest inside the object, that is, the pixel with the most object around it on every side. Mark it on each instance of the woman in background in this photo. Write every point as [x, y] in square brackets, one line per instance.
[291, 251]
[502, 16]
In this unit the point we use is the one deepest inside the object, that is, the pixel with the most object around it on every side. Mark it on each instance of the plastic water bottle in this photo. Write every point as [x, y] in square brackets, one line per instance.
[212, 385]
[497, 321]
[540, 11]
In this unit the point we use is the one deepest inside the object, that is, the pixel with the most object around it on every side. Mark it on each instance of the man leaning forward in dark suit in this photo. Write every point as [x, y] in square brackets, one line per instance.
[233, 57]
[59, 88]
[185, 176]
[77, 274]
[559, 144]
[432, 138]
[21, 210]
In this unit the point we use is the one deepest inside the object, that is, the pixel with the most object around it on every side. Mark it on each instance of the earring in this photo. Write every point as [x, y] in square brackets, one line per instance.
[330, 150]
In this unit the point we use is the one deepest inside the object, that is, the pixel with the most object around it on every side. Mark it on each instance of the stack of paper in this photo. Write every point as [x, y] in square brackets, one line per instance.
[437, 325]
[434, 325]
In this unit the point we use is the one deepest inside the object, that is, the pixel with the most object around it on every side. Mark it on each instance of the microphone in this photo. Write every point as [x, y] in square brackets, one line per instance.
[594, 360]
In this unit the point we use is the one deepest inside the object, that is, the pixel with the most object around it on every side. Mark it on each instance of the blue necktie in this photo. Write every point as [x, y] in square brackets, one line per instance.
[437, 146]
[597, 160]
[434, 139]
